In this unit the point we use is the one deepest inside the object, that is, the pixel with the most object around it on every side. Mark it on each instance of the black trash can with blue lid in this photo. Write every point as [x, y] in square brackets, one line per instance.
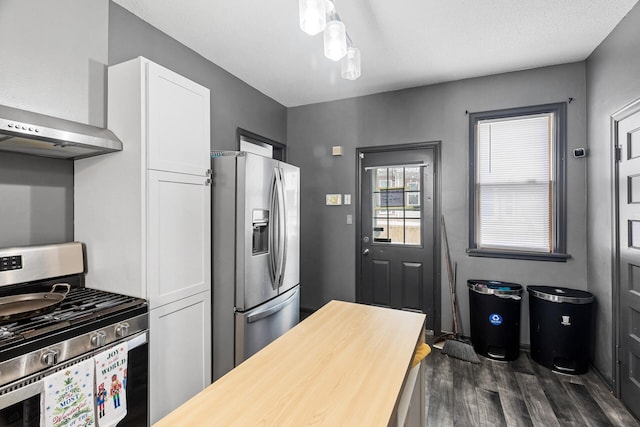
[560, 324]
[494, 309]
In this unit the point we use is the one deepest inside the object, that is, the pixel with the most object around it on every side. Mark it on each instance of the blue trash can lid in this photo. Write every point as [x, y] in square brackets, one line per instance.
[559, 294]
[494, 287]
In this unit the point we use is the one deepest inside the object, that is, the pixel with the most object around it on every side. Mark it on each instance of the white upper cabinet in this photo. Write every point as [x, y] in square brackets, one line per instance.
[178, 119]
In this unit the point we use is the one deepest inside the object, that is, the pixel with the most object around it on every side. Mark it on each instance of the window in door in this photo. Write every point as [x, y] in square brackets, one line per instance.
[517, 197]
[397, 210]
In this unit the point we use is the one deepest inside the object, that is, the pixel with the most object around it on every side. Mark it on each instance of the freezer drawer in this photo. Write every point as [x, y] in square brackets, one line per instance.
[258, 327]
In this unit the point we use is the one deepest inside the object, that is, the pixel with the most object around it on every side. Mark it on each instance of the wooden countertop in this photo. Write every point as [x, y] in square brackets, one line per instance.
[345, 365]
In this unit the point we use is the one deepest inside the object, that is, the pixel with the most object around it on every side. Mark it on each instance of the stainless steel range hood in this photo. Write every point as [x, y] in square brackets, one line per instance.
[32, 133]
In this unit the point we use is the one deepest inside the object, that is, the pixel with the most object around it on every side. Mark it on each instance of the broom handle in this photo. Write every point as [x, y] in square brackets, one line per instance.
[450, 276]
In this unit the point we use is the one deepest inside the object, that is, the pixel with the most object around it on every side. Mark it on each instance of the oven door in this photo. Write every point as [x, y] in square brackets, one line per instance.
[20, 401]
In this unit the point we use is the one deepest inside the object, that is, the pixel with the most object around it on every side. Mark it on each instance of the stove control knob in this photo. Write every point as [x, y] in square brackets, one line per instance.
[122, 330]
[50, 357]
[99, 339]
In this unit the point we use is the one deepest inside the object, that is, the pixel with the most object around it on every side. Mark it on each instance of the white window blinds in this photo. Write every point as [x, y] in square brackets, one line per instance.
[514, 183]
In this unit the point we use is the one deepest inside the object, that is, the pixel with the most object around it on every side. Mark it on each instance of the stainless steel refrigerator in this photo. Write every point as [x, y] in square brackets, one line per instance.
[256, 254]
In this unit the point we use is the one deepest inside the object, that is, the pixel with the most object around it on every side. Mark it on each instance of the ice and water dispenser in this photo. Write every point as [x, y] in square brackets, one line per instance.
[260, 224]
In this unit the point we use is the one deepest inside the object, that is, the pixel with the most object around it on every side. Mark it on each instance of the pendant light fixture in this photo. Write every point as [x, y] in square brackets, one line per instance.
[335, 40]
[313, 16]
[321, 15]
[351, 64]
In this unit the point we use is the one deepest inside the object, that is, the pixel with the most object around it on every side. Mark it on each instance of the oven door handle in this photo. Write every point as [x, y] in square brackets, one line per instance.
[138, 340]
[21, 393]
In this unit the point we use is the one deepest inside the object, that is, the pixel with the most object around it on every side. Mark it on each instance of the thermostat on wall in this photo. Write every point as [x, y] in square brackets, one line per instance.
[579, 152]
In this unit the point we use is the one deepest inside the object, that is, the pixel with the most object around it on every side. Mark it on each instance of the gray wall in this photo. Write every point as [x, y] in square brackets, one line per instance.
[53, 56]
[233, 102]
[430, 113]
[613, 81]
[37, 200]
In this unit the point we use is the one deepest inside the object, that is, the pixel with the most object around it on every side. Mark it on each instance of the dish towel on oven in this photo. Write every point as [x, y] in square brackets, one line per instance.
[111, 385]
[67, 399]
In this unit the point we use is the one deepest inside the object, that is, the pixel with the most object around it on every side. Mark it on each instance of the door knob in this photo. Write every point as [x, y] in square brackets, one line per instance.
[365, 251]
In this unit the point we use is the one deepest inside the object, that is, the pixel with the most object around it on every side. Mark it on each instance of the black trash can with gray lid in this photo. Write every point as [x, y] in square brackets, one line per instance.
[494, 309]
[560, 327]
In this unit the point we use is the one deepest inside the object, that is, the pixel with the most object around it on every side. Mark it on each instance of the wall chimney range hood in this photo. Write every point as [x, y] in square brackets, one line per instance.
[27, 132]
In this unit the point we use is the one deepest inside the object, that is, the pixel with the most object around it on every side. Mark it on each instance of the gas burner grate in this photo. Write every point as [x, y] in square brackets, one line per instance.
[80, 305]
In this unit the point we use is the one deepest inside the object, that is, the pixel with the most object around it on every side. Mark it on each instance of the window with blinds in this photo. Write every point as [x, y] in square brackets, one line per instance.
[514, 183]
[517, 202]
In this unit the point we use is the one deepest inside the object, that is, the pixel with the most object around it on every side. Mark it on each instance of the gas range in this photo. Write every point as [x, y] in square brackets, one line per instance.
[81, 309]
[49, 319]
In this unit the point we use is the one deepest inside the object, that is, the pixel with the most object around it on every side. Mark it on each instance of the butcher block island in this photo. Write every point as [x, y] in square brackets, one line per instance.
[345, 365]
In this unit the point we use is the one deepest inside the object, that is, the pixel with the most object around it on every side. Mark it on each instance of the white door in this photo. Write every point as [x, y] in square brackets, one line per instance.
[179, 352]
[178, 123]
[178, 236]
[627, 135]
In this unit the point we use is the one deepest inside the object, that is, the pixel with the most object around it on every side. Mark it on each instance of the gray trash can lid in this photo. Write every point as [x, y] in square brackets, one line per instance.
[559, 294]
[494, 287]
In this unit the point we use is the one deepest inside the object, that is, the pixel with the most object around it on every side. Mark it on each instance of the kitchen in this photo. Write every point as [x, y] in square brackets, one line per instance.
[58, 57]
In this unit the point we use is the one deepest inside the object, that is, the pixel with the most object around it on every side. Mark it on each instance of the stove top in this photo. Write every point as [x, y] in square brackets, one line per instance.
[86, 319]
[81, 306]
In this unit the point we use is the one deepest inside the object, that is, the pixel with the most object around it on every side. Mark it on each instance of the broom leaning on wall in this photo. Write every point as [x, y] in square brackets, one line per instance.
[455, 344]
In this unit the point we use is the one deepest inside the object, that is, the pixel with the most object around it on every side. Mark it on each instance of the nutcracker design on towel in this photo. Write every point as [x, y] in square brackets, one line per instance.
[67, 399]
[111, 395]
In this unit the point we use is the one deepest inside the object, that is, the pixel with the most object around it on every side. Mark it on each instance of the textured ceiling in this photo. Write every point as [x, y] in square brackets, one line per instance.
[404, 43]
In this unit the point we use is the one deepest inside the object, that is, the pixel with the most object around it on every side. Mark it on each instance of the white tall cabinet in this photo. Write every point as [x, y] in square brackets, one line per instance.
[145, 216]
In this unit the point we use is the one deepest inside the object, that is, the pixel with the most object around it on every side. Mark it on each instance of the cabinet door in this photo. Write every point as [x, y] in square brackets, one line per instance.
[178, 236]
[179, 352]
[178, 123]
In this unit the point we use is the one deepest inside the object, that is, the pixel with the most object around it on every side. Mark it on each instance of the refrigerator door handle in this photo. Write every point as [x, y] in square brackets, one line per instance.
[273, 232]
[271, 310]
[282, 228]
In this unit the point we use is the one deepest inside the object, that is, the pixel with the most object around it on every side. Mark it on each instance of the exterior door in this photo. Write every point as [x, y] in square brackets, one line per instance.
[397, 232]
[627, 135]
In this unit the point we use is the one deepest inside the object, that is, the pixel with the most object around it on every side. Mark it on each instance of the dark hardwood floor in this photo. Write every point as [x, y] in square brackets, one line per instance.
[518, 393]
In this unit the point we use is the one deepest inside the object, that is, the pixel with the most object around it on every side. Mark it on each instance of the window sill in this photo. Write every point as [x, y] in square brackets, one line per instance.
[530, 256]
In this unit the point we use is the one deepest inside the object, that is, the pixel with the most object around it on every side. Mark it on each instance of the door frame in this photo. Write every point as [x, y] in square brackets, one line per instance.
[437, 285]
[279, 149]
[626, 111]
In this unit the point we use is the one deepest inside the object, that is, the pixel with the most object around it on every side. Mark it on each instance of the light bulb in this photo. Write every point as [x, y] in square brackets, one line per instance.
[313, 16]
[335, 40]
[351, 64]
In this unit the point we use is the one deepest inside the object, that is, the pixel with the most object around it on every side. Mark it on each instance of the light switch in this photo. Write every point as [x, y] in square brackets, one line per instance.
[347, 199]
[349, 219]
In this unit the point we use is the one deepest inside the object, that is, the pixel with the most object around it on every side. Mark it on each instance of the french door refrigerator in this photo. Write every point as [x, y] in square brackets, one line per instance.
[256, 254]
